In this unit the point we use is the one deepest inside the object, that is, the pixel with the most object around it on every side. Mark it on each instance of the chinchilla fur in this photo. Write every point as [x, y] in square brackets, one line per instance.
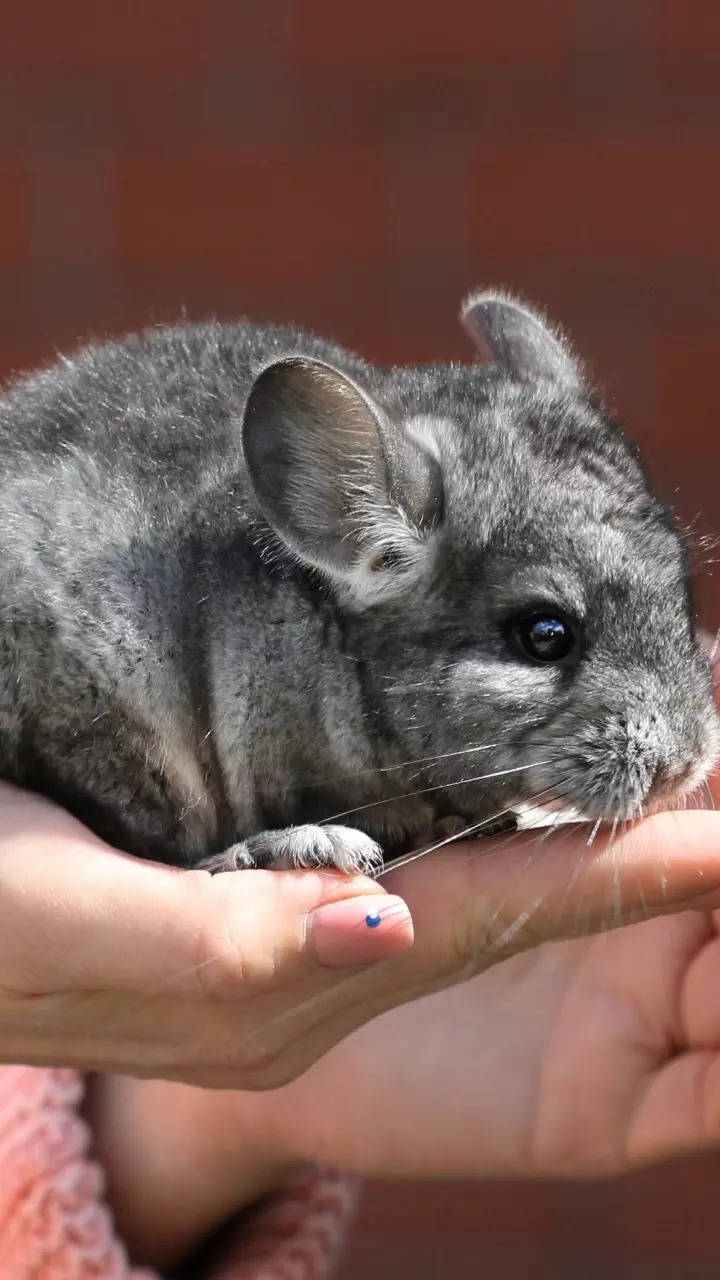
[246, 577]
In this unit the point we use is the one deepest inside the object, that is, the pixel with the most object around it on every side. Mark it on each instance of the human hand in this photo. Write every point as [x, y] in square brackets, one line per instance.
[113, 964]
[110, 963]
[570, 1058]
[580, 1058]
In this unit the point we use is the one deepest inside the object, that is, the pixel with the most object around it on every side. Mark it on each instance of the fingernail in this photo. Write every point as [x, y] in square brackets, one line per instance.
[359, 931]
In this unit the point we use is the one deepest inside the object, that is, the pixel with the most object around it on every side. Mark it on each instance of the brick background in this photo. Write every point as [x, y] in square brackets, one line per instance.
[357, 168]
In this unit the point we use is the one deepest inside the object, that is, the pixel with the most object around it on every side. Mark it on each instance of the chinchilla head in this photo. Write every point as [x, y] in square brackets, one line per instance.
[518, 597]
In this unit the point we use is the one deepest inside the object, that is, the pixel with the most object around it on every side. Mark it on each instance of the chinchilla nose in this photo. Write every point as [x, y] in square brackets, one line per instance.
[663, 751]
[645, 737]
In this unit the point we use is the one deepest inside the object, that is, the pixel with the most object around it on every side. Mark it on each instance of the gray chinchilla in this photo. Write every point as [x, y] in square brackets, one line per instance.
[250, 583]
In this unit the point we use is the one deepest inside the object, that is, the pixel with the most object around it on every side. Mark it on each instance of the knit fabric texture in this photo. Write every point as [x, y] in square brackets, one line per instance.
[55, 1226]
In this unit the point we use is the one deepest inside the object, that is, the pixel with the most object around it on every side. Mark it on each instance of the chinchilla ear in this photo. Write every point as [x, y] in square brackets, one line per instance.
[506, 332]
[348, 491]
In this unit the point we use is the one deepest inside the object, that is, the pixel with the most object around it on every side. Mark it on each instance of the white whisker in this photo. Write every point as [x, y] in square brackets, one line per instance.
[458, 835]
[310, 784]
[441, 786]
[594, 832]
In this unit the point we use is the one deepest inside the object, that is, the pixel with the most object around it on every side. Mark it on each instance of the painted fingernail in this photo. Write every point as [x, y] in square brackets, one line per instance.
[359, 930]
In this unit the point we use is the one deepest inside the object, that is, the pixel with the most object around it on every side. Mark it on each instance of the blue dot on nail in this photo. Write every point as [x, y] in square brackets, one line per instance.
[372, 921]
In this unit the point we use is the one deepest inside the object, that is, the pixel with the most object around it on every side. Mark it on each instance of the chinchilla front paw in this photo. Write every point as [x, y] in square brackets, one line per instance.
[345, 848]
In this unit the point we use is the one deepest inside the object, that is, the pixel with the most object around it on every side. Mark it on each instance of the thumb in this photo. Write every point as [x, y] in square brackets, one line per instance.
[77, 914]
[115, 964]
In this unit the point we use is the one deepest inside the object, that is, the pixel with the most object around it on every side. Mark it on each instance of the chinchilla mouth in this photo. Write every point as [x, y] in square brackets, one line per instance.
[528, 815]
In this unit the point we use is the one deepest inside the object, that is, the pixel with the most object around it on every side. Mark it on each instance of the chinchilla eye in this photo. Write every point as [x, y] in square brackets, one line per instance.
[545, 638]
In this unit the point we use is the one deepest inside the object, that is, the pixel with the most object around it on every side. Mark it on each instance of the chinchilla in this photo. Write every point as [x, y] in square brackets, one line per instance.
[264, 604]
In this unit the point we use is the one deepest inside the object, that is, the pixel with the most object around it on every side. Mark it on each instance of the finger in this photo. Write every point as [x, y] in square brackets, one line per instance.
[474, 904]
[77, 914]
[678, 1108]
[497, 896]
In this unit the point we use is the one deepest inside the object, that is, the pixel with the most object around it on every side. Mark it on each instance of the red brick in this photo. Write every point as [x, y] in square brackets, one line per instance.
[672, 1211]
[14, 212]
[641, 196]
[523, 1228]
[136, 105]
[388, 31]
[270, 209]
[688, 367]
[689, 102]
[695, 26]
[435, 100]
[42, 33]
[18, 320]
[688, 438]
[17, 358]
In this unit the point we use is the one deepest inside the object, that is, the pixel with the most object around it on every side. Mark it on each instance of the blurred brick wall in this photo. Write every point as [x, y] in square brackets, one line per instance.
[357, 168]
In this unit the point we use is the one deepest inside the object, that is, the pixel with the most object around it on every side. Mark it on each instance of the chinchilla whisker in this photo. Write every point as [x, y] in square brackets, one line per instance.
[513, 928]
[575, 873]
[638, 881]
[697, 798]
[402, 688]
[446, 755]
[552, 827]
[440, 786]
[538, 837]
[558, 793]
[561, 835]
[313, 783]
[405, 764]
[540, 833]
[593, 833]
[307, 637]
[458, 835]
[321, 998]
[616, 886]
[580, 863]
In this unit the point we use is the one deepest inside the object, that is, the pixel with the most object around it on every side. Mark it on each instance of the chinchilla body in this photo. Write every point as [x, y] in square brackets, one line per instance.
[249, 582]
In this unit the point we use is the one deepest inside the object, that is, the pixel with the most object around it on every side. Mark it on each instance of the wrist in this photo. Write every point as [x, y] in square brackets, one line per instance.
[179, 1160]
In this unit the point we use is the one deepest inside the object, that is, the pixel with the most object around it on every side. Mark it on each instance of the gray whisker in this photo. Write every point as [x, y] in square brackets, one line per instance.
[391, 768]
[440, 786]
[420, 853]
[458, 835]
[310, 784]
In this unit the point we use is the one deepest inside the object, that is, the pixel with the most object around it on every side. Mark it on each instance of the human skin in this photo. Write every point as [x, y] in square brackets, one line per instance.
[106, 961]
[588, 1055]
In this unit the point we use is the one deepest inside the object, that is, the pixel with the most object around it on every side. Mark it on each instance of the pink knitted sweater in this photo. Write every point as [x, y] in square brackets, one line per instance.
[54, 1225]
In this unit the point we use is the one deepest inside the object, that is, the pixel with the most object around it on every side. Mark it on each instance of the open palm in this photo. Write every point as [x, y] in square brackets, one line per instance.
[571, 1049]
[580, 1057]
